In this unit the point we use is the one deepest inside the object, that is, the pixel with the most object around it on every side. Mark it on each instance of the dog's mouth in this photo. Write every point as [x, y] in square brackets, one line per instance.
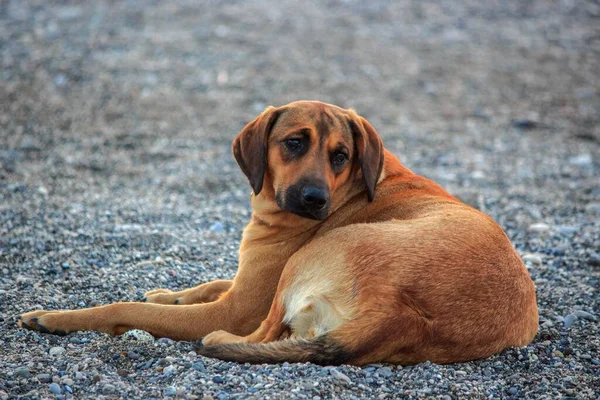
[306, 201]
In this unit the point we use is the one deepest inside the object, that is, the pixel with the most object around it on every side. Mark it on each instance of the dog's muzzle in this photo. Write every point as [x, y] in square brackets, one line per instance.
[307, 200]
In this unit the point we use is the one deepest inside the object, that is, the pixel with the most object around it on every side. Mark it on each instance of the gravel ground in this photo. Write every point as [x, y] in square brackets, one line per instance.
[116, 177]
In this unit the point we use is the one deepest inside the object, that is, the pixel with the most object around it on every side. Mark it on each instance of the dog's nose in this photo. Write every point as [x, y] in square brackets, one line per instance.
[314, 197]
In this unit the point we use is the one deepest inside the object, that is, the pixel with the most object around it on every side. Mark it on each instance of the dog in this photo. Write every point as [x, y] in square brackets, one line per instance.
[349, 257]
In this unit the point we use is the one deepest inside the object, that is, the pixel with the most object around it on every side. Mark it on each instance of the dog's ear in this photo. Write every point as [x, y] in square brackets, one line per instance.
[250, 147]
[369, 149]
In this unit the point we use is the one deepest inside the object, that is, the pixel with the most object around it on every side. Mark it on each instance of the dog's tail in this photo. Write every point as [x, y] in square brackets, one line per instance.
[322, 350]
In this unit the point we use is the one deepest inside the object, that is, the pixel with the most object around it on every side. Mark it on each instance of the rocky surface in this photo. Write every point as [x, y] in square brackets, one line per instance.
[116, 177]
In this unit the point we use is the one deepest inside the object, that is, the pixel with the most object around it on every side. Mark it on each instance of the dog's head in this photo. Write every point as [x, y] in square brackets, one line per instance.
[309, 153]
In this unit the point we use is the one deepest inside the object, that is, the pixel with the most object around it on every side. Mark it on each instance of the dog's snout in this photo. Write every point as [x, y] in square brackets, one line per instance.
[314, 197]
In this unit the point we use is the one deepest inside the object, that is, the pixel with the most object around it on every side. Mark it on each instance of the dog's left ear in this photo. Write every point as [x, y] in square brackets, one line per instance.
[250, 147]
[369, 149]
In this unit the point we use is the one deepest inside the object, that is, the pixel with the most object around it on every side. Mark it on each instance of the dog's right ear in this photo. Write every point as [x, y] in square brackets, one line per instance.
[250, 147]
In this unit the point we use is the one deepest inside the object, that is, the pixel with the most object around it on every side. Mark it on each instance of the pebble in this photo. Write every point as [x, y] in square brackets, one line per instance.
[170, 370]
[593, 207]
[386, 372]
[558, 353]
[44, 378]
[581, 160]
[137, 334]
[339, 376]
[524, 123]
[54, 388]
[538, 228]
[567, 229]
[108, 389]
[217, 379]
[133, 355]
[216, 227]
[512, 390]
[584, 315]
[57, 351]
[23, 372]
[569, 320]
[170, 391]
[594, 260]
[534, 259]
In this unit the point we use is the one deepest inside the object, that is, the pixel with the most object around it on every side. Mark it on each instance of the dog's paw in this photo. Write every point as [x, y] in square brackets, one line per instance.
[162, 296]
[41, 321]
[219, 337]
[156, 291]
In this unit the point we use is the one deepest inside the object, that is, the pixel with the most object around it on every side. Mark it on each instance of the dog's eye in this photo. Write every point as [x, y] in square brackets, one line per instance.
[293, 144]
[339, 158]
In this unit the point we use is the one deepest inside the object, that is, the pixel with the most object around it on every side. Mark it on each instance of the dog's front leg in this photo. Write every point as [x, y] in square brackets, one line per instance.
[179, 322]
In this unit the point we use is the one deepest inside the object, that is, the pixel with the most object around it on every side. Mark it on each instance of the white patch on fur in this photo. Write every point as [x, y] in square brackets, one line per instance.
[310, 310]
[382, 176]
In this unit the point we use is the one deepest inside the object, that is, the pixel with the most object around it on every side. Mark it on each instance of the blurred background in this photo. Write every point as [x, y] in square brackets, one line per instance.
[120, 114]
[116, 174]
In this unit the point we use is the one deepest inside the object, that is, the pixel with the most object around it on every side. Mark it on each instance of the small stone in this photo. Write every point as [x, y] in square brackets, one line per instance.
[54, 388]
[595, 361]
[170, 391]
[60, 80]
[222, 396]
[44, 378]
[123, 372]
[558, 353]
[581, 160]
[109, 389]
[97, 378]
[512, 390]
[170, 370]
[23, 372]
[217, 227]
[133, 355]
[538, 228]
[569, 320]
[339, 376]
[217, 379]
[524, 123]
[386, 372]
[207, 398]
[68, 389]
[166, 341]
[567, 229]
[198, 366]
[139, 335]
[67, 381]
[460, 373]
[584, 315]
[534, 259]
[593, 207]
[57, 351]
[594, 260]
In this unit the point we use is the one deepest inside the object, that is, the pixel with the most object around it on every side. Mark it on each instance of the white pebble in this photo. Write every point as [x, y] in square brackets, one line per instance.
[538, 228]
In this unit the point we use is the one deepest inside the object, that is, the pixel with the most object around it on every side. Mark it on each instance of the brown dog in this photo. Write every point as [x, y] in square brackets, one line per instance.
[349, 258]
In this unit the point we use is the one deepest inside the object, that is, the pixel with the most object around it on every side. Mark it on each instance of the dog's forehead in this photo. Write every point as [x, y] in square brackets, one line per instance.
[325, 119]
